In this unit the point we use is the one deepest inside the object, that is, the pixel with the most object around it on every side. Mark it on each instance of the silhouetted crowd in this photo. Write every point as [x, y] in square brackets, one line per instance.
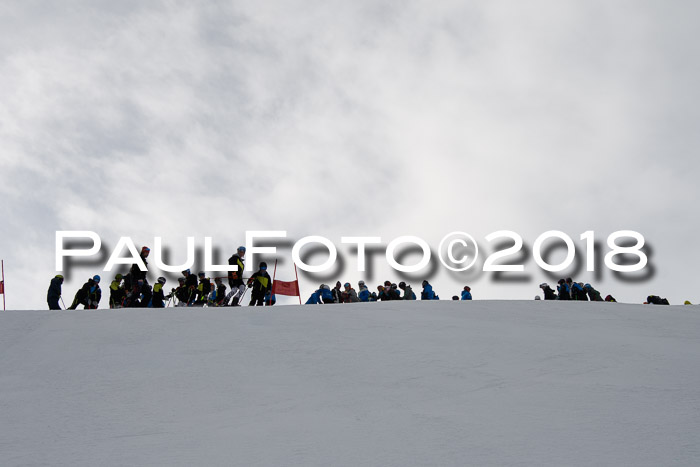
[133, 290]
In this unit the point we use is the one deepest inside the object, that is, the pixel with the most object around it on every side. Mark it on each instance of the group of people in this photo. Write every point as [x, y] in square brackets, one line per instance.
[134, 291]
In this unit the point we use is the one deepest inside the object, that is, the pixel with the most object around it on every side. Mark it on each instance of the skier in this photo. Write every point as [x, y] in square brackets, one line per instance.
[467, 293]
[220, 292]
[593, 294]
[427, 293]
[203, 289]
[235, 278]
[191, 285]
[364, 295]
[564, 291]
[54, 293]
[261, 283]
[116, 292]
[89, 295]
[135, 272]
[181, 292]
[408, 293]
[548, 291]
[158, 299]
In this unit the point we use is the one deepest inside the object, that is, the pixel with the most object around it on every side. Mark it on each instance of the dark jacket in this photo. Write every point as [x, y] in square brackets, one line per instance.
[549, 293]
[54, 292]
[261, 282]
[158, 298]
[235, 278]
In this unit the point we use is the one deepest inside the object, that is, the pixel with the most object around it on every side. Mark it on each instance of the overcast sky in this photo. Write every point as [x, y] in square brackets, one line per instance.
[375, 118]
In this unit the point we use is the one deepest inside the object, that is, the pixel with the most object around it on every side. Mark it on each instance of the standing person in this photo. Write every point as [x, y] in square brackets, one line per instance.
[261, 283]
[146, 294]
[427, 293]
[54, 293]
[116, 292]
[89, 294]
[467, 293]
[564, 291]
[408, 293]
[548, 291]
[235, 278]
[337, 293]
[135, 272]
[203, 289]
[191, 285]
[220, 292]
[181, 292]
[158, 299]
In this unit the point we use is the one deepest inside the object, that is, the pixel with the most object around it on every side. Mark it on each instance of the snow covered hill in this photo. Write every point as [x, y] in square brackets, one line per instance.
[387, 384]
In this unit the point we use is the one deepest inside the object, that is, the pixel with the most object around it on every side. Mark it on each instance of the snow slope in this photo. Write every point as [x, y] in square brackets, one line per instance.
[385, 384]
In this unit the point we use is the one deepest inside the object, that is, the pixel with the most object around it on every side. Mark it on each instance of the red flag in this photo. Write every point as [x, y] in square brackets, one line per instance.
[290, 288]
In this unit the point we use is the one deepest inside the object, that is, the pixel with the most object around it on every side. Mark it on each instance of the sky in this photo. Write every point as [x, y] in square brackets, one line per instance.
[375, 118]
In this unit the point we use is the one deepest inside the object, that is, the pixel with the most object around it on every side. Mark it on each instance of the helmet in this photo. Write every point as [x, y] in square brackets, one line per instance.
[561, 281]
[263, 265]
[96, 278]
[425, 282]
[361, 283]
[145, 249]
[402, 285]
[119, 277]
[587, 286]
[393, 286]
[58, 276]
[201, 274]
[537, 297]
[324, 286]
[217, 279]
[387, 283]
[347, 285]
[186, 272]
[568, 279]
[467, 288]
[161, 280]
[241, 249]
[543, 285]
[181, 279]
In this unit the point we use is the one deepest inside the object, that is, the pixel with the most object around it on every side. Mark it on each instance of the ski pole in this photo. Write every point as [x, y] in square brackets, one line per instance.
[64, 305]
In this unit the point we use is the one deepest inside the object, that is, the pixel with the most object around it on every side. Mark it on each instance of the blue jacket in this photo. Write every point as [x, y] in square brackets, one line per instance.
[427, 293]
[364, 294]
[314, 299]
[564, 291]
[466, 295]
[326, 295]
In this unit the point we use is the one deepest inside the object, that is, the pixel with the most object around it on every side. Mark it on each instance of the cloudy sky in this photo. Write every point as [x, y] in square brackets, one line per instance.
[373, 118]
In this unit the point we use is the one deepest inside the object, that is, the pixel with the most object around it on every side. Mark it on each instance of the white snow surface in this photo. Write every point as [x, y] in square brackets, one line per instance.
[384, 384]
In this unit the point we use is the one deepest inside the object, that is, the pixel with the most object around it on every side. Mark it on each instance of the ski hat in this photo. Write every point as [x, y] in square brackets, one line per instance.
[145, 250]
[543, 285]
[561, 281]
[425, 282]
[161, 280]
[467, 288]
[337, 284]
[96, 278]
[263, 265]
[347, 285]
[387, 283]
